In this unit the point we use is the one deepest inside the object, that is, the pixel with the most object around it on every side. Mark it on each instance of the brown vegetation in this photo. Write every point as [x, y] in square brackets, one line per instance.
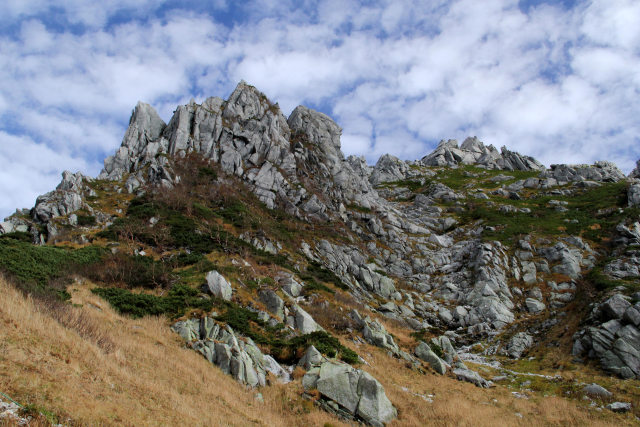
[90, 366]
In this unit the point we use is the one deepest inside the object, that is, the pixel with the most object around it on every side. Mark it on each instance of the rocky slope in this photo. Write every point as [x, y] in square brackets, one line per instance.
[263, 243]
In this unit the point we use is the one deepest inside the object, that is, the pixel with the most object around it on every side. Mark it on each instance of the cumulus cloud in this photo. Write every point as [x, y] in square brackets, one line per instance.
[556, 82]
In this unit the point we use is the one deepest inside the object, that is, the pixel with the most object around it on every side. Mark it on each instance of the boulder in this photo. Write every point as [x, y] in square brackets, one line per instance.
[234, 355]
[357, 393]
[218, 286]
[534, 306]
[471, 377]
[595, 390]
[274, 303]
[518, 344]
[619, 407]
[474, 152]
[304, 322]
[615, 307]
[424, 352]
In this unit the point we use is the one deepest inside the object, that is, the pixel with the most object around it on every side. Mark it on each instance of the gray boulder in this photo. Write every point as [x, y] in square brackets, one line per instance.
[614, 307]
[471, 377]
[474, 152]
[595, 390]
[234, 355]
[633, 195]
[518, 344]
[424, 352]
[218, 286]
[274, 303]
[534, 306]
[304, 322]
[356, 392]
[619, 407]
[64, 200]
[598, 172]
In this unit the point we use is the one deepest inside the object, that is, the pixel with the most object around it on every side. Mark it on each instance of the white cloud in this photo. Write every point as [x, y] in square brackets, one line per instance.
[560, 84]
[30, 169]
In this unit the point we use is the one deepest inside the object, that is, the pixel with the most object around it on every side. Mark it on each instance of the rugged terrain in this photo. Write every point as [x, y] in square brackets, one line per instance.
[469, 285]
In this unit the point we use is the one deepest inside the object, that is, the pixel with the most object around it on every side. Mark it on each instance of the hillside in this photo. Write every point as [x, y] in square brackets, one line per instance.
[233, 267]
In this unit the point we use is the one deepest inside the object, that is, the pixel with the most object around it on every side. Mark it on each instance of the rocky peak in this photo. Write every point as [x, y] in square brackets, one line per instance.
[319, 130]
[474, 152]
[145, 125]
[636, 172]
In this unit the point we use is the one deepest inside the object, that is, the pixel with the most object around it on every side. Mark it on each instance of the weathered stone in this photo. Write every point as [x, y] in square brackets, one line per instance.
[304, 322]
[374, 406]
[424, 352]
[356, 392]
[471, 377]
[534, 306]
[518, 344]
[595, 390]
[619, 407]
[218, 286]
[274, 303]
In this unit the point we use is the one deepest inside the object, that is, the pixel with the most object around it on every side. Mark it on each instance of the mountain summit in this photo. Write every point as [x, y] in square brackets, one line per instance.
[279, 260]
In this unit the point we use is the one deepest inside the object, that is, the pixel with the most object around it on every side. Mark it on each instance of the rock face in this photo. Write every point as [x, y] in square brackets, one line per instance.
[615, 339]
[67, 198]
[474, 152]
[236, 356]
[633, 195]
[357, 394]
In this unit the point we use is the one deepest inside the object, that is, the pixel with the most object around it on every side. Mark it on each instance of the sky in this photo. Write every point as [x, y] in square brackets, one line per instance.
[557, 80]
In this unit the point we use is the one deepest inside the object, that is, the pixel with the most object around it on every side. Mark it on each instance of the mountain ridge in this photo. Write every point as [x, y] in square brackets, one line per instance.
[469, 247]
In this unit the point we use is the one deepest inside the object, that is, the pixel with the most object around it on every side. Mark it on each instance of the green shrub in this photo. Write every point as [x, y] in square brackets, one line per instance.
[34, 267]
[207, 173]
[323, 342]
[436, 349]
[86, 220]
[317, 273]
[22, 236]
[184, 258]
[174, 304]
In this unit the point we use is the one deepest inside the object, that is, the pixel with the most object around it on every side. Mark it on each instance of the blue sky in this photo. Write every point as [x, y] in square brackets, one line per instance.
[558, 80]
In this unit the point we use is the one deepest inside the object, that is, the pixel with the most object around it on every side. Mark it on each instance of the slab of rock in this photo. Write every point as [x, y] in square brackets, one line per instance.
[615, 307]
[619, 407]
[633, 195]
[471, 377]
[234, 355]
[274, 303]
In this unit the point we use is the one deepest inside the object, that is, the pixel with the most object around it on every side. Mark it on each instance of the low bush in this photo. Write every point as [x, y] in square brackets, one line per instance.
[132, 270]
[86, 220]
[35, 268]
[179, 299]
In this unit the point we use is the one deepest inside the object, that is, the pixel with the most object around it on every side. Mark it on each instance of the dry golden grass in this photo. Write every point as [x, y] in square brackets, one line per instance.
[95, 367]
[146, 378]
[463, 404]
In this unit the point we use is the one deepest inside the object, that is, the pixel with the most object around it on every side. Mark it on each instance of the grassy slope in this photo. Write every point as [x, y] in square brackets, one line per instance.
[99, 368]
